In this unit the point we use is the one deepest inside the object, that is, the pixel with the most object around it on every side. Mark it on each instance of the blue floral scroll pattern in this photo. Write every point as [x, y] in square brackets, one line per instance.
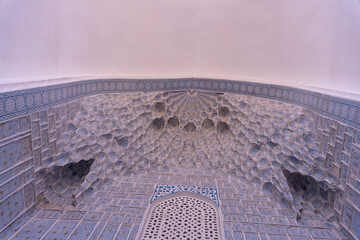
[19, 103]
[163, 190]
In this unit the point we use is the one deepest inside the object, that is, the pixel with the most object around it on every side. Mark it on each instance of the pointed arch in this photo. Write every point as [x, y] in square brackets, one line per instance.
[183, 215]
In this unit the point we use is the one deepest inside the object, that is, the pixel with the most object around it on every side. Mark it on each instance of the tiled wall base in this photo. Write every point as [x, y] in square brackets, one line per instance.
[24, 143]
[116, 211]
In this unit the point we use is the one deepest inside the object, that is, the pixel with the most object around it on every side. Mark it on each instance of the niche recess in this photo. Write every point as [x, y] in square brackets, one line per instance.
[181, 216]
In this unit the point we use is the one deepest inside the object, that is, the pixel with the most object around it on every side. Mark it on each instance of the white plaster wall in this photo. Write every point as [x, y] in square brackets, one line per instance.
[292, 42]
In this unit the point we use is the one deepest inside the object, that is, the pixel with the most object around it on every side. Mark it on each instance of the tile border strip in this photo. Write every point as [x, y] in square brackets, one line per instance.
[19, 103]
[162, 190]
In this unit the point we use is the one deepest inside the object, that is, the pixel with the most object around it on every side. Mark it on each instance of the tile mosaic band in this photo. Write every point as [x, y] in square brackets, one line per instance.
[18, 103]
[164, 190]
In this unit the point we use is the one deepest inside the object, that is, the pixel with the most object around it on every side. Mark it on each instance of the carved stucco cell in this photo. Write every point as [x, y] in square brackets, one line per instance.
[252, 139]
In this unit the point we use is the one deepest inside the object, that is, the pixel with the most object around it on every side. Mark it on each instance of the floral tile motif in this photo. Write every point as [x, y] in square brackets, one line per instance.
[163, 190]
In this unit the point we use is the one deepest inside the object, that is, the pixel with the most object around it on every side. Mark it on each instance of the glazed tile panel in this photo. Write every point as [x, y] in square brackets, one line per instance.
[16, 170]
[164, 190]
[19, 103]
[246, 213]
[24, 142]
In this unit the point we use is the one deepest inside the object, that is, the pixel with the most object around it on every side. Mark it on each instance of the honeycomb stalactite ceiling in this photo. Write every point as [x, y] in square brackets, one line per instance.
[244, 137]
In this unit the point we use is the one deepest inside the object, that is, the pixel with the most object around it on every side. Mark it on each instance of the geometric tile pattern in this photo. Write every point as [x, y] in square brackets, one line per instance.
[164, 190]
[19, 103]
[184, 217]
[24, 143]
[117, 210]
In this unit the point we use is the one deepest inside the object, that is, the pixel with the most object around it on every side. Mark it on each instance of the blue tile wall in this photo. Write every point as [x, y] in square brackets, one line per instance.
[35, 230]
[11, 207]
[83, 231]
[15, 226]
[24, 142]
[32, 121]
[164, 190]
[11, 186]
[16, 170]
[61, 230]
[10, 154]
[19, 103]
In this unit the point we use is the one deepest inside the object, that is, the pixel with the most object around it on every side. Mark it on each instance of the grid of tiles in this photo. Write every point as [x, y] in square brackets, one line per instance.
[18, 103]
[26, 142]
[339, 148]
[116, 212]
[16, 170]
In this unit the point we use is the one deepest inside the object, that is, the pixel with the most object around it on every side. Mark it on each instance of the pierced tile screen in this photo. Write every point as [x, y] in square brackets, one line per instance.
[182, 217]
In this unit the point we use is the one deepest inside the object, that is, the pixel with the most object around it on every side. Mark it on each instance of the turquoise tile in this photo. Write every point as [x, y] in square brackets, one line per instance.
[9, 128]
[10, 154]
[61, 230]
[109, 231]
[83, 231]
[133, 233]
[11, 207]
[238, 236]
[35, 230]
[11, 186]
[355, 225]
[95, 235]
[123, 232]
[14, 227]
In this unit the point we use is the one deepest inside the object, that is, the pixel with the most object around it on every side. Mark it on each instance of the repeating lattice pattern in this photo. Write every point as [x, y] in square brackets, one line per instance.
[183, 218]
[163, 190]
